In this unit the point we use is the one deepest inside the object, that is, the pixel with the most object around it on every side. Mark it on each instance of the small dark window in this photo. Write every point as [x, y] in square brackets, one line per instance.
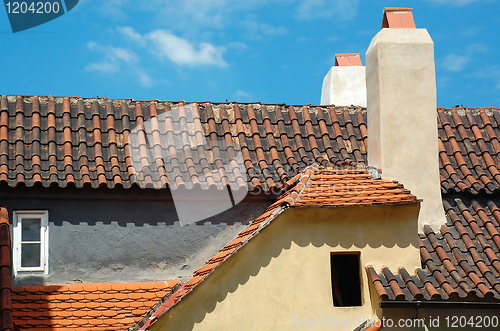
[346, 283]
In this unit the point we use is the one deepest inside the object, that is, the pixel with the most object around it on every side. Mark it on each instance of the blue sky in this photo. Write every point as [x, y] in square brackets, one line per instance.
[272, 51]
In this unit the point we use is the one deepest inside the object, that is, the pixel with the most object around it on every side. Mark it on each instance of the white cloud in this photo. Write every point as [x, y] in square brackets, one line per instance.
[130, 34]
[181, 51]
[255, 29]
[470, 31]
[311, 9]
[112, 9]
[455, 62]
[477, 48]
[102, 67]
[243, 96]
[193, 17]
[237, 45]
[489, 74]
[443, 82]
[112, 57]
[115, 59]
[454, 2]
[144, 78]
[162, 43]
[272, 30]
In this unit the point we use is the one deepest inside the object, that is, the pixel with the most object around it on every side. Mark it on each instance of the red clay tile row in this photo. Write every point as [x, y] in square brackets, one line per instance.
[86, 306]
[351, 187]
[312, 180]
[462, 261]
[6, 323]
[85, 142]
[469, 150]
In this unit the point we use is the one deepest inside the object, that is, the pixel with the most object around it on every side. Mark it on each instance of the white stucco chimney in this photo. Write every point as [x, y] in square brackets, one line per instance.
[402, 120]
[344, 84]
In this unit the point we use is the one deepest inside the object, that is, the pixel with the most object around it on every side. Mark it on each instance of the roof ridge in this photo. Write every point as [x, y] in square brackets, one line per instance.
[60, 98]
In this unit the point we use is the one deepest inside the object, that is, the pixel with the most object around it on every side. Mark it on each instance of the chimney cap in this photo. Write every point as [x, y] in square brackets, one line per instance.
[348, 60]
[401, 9]
[398, 18]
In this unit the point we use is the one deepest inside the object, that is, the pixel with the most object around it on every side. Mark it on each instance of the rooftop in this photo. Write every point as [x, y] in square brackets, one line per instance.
[317, 187]
[86, 306]
[460, 262]
[56, 141]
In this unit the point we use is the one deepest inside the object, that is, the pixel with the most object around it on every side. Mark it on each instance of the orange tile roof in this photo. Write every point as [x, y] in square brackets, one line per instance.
[314, 188]
[341, 188]
[86, 306]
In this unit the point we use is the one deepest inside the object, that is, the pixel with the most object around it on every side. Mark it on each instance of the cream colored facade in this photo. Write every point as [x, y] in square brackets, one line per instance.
[402, 121]
[281, 279]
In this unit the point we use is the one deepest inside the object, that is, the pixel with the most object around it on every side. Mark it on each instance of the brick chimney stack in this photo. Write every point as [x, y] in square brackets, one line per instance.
[402, 120]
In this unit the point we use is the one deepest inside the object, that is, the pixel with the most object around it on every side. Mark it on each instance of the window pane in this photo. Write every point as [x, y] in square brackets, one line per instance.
[30, 255]
[31, 229]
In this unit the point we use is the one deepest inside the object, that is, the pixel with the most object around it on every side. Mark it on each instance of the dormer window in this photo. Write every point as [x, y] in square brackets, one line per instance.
[30, 242]
[346, 280]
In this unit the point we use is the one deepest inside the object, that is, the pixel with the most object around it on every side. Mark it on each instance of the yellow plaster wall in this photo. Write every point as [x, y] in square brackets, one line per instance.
[282, 276]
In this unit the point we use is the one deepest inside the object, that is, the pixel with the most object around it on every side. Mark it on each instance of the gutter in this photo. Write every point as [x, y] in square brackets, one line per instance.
[440, 304]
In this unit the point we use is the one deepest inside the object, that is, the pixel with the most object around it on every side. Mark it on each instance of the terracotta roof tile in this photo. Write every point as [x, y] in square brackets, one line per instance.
[461, 261]
[313, 184]
[332, 188]
[86, 306]
[469, 150]
[65, 141]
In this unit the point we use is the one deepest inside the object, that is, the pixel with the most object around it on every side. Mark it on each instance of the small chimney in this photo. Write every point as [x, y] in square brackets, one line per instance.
[398, 18]
[348, 60]
[402, 120]
[345, 83]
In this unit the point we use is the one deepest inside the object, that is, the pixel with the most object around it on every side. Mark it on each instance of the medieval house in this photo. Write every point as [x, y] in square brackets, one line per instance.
[149, 215]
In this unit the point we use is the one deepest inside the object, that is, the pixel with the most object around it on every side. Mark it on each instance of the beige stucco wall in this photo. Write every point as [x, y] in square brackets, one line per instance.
[402, 120]
[282, 276]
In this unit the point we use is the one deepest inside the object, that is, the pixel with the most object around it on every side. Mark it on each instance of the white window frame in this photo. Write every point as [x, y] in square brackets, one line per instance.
[19, 215]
